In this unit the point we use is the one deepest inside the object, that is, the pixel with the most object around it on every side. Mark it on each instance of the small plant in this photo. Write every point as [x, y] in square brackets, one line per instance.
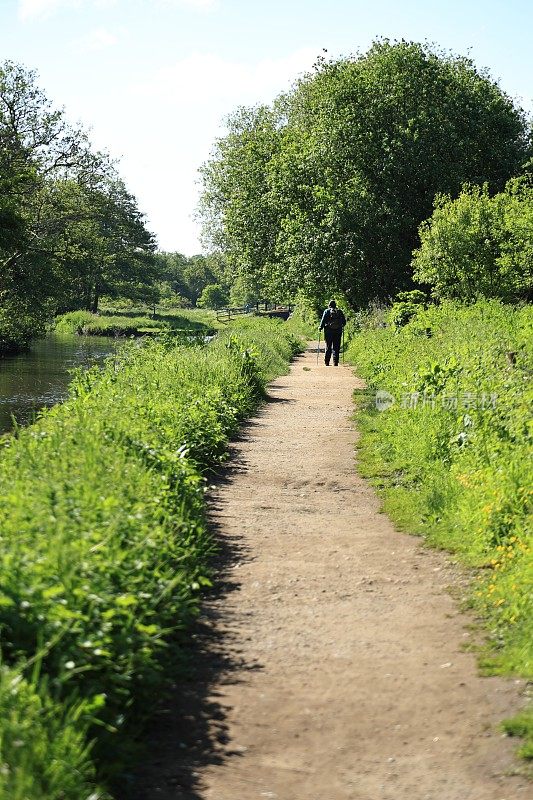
[522, 726]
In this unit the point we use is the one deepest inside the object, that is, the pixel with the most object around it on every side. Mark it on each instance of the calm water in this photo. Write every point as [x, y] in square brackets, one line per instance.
[41, 377]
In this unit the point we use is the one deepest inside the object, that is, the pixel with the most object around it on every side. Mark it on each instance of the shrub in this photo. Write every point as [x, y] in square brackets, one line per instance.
[213, 296]
[478, 245]
[406, 306]
[74, 321]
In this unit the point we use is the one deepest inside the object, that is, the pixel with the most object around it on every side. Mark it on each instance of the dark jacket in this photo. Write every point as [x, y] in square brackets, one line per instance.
[324, 322]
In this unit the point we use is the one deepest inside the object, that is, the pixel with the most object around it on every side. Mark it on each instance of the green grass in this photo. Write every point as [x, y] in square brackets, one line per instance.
[111, 322]
[43, 745]
[460, 475]
[522, 725]
[105, 550]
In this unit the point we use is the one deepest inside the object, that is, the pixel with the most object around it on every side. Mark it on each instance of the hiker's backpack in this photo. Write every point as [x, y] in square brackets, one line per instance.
[334, 320]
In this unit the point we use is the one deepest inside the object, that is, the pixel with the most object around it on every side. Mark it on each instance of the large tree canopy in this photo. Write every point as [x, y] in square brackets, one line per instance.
[326, 190]
[69, 230]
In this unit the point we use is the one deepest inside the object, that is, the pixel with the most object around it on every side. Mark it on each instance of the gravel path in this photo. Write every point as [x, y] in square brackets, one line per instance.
[330, 661]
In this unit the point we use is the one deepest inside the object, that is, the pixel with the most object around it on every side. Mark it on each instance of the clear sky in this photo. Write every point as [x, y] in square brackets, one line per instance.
[154, 79]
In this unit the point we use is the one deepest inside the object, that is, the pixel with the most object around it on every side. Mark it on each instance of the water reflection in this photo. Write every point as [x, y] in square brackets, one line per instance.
[41, 377]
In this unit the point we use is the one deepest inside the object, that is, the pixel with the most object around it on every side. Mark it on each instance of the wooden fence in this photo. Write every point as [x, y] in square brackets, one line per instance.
[262, 308]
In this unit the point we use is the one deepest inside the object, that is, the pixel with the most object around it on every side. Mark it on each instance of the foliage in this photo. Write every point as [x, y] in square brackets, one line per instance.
[69, 230]
[104, 546]
[103, 244]
[43, 748]
[307, 312]
[479, 245]
[453, 453]
[213, 296]
[239, 218]
[406, 306]
[188, 277]
[325, 190]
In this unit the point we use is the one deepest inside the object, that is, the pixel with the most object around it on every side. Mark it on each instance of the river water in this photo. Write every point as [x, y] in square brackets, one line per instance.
[41, 376]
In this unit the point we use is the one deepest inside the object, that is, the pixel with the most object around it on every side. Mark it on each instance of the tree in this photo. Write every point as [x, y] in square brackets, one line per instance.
[239, 219]
[478, 245]
[197, 274]
[186, 278]
[171, 268]
[326, 190]
[69, 230]
[117, 249]
[38, 149]
[213, 296]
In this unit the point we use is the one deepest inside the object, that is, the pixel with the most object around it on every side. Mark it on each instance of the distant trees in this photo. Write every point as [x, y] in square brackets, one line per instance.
[69, 230]
[213, 296]
[189, 277]
[104, 244]
[325, 190]
[479, 245]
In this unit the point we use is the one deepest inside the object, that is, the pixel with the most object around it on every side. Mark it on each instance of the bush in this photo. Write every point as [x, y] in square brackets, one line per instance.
[74, 321]
[478, 245]
[213, 296]
[406, 306]
[104, 547]
[21, 321]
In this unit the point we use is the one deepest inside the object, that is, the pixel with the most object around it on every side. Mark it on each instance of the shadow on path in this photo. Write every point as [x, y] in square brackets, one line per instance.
[188, 731]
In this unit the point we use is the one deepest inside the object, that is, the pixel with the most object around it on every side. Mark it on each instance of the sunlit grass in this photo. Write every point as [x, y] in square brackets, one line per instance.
[112, 322]
[104, 548]
[452, 456]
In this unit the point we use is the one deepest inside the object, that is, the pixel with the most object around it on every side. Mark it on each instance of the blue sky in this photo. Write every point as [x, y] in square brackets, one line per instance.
[155, 78]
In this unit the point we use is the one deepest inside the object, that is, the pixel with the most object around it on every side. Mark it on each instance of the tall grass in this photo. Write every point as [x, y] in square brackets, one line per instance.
[452, 455]
[104, 547]
[125, 323]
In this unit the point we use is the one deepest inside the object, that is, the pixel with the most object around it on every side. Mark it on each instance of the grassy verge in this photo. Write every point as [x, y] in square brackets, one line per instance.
[452, 456]
[136, 323]
[104, 549]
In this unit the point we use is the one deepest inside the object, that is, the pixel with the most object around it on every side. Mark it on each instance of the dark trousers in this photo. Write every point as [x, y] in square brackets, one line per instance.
[333, 342]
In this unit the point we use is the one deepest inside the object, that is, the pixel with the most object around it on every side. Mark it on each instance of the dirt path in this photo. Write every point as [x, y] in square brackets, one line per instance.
[338, 651]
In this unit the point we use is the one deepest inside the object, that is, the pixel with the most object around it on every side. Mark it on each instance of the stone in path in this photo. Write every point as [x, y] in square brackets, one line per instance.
[330, 661]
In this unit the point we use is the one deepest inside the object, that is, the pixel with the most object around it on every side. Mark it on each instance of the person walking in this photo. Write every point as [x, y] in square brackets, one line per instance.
[332, 323]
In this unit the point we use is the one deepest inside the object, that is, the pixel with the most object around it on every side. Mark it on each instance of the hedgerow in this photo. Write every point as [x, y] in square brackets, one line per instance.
[104, 548]
[451, 451]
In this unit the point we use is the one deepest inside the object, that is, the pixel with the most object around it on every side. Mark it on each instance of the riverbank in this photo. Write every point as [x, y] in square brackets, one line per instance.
[111, 322]
[39, 377]
[104, 548]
